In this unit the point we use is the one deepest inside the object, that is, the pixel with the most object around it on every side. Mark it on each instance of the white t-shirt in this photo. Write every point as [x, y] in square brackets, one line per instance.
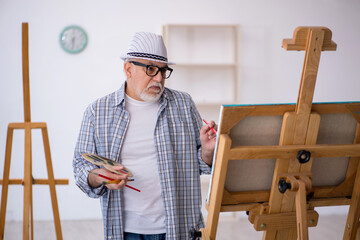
[143, 211]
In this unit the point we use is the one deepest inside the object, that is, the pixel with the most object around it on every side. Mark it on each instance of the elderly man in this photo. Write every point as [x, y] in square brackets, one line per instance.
[157, 134]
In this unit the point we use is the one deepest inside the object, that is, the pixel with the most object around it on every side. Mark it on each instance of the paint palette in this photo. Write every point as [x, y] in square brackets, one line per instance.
[106, 163]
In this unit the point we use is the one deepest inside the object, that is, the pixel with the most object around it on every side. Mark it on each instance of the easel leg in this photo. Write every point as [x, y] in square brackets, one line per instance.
[31, 212]
[352, 222]
[5, 183]
[301, 212]
[217, 188]
[27, 182]
[358, 233]
[51, 183]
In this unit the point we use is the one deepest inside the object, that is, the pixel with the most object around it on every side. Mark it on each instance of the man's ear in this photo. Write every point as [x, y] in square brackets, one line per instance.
[128, 69]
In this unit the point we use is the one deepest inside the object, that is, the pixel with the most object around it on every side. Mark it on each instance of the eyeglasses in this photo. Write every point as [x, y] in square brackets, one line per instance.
[152, 70]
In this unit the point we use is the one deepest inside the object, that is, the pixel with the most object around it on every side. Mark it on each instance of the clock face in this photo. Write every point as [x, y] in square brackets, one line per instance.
[73, 39]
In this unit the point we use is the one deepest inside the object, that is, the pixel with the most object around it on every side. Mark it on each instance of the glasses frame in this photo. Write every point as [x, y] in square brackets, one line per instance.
[159, 69]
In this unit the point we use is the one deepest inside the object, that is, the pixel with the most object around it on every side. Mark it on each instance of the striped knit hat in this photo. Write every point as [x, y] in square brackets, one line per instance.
[149, 46]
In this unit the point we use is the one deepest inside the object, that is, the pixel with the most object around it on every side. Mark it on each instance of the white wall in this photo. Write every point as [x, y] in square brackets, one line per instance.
[62, 85]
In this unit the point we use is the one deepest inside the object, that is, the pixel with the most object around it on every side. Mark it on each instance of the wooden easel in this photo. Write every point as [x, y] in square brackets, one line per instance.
[302, 122]
[287, 209]
[28, 180]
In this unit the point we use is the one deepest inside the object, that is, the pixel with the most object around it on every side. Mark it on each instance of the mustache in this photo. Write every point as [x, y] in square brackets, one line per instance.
[156, 84]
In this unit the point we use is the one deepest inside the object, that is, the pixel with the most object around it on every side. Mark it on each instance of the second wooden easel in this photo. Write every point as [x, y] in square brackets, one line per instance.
[28, 180]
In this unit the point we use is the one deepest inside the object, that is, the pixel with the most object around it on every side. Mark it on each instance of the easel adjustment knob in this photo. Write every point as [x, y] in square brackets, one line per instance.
[283, 185]
[303, 156]
[194, 234]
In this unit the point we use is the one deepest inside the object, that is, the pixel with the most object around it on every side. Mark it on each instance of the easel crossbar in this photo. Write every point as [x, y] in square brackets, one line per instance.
[39, 181]
[291, 151]
[321, 202]
[23, 125]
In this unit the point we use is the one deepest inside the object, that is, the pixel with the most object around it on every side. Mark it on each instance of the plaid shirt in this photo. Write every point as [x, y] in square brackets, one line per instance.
[178, 150]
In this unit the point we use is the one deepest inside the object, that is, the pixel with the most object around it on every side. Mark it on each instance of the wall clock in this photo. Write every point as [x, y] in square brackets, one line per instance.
[73, 39]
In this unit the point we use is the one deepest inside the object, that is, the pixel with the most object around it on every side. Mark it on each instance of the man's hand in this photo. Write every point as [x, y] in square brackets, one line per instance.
[95, 181]
[208, 140]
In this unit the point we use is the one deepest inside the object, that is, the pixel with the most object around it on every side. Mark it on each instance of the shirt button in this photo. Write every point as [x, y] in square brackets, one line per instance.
[125, 117]
[109, 237]
[119, 136]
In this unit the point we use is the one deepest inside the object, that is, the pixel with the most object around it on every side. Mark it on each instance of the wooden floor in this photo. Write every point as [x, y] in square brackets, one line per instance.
[329, 227]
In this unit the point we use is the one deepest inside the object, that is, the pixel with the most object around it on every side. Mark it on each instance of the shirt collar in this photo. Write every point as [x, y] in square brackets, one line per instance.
[120, 95]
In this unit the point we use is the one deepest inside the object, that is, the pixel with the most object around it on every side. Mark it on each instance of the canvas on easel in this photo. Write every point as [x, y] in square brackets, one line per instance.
[279, 162]
[28, 180]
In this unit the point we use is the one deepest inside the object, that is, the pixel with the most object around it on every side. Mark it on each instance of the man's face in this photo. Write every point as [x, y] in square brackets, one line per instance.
[140, 86]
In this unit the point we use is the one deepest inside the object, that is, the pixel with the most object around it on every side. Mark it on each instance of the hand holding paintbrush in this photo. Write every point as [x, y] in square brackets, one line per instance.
[208, 135]
[116, 181]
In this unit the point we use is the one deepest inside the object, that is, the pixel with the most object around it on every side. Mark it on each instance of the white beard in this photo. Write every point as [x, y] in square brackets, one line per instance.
[147, 97]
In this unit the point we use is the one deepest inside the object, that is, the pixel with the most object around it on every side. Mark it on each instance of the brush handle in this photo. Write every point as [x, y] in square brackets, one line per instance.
[214, 131]
[103, 176]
